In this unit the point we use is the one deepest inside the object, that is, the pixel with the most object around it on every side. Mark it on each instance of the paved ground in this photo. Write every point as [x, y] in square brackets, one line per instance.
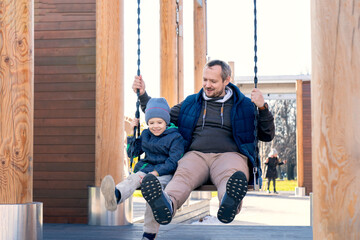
[264, 216]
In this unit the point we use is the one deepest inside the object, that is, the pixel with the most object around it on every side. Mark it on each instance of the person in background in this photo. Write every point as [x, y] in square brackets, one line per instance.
[271, 174]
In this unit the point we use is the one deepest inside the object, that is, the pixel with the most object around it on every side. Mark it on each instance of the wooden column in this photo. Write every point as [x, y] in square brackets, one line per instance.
[232, 66]
[109, 153]
[168, 49]
[200, 42]
[299, 133]
[180, 50]
[335, 91]
[16, 101]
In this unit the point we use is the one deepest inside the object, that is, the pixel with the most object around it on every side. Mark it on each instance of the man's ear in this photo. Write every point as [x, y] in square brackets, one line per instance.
[227, 80]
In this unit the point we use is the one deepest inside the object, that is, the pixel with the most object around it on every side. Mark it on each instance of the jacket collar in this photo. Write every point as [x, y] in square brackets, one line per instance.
[238, 96]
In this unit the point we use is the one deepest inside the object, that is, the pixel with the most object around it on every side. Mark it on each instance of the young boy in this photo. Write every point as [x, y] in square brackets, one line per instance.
[163, 146]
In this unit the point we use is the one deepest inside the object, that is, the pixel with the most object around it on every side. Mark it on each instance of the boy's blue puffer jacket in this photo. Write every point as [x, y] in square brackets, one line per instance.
[161, 152]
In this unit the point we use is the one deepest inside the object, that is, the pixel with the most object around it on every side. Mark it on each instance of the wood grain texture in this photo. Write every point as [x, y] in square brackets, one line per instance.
[335, 93]
[168, 52]
[64, 116]
[200, 46]
[299, 133]
[109, 157]
[16, 101]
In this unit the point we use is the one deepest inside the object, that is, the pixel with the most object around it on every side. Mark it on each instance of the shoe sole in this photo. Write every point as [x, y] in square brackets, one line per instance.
[236, 188]
[152, 192]
[108, 190]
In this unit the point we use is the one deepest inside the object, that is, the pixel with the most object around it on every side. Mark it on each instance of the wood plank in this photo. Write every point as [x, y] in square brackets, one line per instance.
[46, 184]
[46, 8]
[62, 1]
[65, 96]
[168, 52]
[72, 203]
[64, 131]
[63, 78]
[65, 167]
[76, 176]
[61, 193]
[65, 51]
[55, 17]
[61, 105]
[64, 87]
[48, 211]
[65, 43]
[65, 122]
[53, 158]
[54, 140]
[335, 120]
[64, 148]
[16, 101]
[76, 25]
[109, 90]
[69, 220]
[65, 69]
[63, 61]
[200, 43]
[65, 34]
[73, 113]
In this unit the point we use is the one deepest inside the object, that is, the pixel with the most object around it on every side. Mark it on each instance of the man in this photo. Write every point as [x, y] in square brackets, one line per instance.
[218, 123]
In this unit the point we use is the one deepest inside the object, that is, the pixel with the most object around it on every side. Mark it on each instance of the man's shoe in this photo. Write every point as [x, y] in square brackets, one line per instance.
[148, 236]
[236, 188]
[158, 200]
[276, 192]
[268, 191]
[108, 190]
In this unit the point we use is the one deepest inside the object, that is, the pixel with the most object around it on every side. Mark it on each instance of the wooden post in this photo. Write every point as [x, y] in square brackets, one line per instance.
[109, 153]
[168, 58]
[180, 51]
[16, 101]
[200, 42]
[232, 66]
[299, 134]
[335, 91]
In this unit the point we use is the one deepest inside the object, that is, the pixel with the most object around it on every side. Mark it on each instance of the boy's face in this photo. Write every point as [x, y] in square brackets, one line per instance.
[157, 126]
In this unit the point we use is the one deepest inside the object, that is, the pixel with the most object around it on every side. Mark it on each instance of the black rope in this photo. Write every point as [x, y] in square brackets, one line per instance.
[256, 151]
[137, 113]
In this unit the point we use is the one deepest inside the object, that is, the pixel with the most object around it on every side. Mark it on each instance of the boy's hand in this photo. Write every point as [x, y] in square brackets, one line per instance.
[134, 123]
[139, 84]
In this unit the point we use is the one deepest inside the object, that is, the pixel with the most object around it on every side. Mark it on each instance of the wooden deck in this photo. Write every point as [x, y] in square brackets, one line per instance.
[177, 232]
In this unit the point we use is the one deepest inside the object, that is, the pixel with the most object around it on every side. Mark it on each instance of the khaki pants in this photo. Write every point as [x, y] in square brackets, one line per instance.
[127, 188]
[195, 168]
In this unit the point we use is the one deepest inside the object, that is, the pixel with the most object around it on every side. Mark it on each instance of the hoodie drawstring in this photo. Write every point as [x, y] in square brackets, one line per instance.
[204, 115]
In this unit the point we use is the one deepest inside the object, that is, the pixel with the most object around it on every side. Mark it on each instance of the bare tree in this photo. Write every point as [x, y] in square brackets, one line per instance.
[284, 112]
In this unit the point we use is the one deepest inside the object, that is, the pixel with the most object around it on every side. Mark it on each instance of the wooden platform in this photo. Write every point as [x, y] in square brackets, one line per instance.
[177, 232]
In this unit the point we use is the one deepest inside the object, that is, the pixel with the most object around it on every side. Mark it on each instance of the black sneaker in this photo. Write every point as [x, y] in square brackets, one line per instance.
[148, 236]
[236, 188]
[158, 200]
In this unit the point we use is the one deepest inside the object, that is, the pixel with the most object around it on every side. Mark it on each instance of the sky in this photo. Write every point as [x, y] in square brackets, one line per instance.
[283, 29]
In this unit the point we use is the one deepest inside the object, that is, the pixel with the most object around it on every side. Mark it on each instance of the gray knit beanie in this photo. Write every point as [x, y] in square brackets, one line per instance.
[157, 108]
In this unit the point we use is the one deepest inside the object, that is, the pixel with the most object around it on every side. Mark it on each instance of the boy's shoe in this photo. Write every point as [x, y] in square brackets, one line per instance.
[148, 236]
[108, 190]
[236, 188]
[158, 200]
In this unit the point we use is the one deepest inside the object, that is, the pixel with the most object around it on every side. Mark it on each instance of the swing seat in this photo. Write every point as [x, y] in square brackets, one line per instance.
[209, 186]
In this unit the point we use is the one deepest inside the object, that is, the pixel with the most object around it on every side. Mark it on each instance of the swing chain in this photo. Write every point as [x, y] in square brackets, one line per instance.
[137, 113]
[256, 148]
